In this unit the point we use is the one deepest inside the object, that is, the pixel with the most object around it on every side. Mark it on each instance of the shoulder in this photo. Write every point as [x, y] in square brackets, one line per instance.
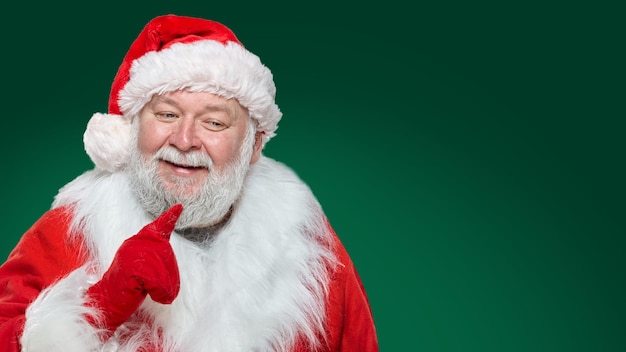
[48, 245]
[92, 186]
[274, 192]
[268, 172]
[52, 227]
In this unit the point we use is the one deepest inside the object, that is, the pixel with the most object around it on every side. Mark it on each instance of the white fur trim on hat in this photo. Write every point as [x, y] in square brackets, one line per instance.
[228, 70]
[107, 141]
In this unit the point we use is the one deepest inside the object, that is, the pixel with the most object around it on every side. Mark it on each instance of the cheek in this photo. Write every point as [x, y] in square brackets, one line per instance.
[149, 139]
[222, 150]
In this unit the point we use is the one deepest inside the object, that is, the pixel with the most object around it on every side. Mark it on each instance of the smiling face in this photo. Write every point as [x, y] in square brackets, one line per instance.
[192, 122]
[192, 148]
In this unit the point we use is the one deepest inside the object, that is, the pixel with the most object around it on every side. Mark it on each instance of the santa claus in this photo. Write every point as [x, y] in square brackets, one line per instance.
[184, 237]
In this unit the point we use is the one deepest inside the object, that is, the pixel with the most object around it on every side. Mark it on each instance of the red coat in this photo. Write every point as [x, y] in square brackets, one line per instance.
[46, 254]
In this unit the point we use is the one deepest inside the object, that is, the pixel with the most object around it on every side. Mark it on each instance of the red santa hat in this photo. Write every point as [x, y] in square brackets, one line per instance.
[172, 53]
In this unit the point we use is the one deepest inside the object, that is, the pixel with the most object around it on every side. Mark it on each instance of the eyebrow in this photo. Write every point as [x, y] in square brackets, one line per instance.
[221, 106]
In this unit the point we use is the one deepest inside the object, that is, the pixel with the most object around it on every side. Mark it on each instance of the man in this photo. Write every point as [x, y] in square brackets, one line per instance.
[184, 237]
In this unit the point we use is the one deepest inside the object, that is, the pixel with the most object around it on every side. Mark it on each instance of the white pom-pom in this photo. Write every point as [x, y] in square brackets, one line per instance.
[107, 140]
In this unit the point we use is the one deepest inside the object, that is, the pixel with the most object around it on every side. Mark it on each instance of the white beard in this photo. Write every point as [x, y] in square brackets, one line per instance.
[208, 206]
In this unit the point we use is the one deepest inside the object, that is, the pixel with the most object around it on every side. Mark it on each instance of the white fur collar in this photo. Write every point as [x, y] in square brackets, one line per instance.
[260, 284]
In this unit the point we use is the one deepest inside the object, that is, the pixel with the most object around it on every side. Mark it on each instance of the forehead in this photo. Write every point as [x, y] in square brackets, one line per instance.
[198, 100]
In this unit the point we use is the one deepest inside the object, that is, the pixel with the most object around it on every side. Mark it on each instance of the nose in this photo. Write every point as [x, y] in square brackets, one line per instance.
[184, 136]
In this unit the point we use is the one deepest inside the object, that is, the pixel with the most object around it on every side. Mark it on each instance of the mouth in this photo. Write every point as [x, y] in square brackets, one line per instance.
[183, 169]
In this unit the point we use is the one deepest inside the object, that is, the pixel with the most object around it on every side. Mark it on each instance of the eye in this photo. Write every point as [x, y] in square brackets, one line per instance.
[214, 125]
[165, 116]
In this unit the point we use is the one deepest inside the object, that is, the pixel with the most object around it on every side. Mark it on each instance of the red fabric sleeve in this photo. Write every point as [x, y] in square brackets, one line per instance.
[350, 321]
[42, 256]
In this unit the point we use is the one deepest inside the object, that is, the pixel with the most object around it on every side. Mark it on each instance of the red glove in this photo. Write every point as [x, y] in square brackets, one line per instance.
[144, 264]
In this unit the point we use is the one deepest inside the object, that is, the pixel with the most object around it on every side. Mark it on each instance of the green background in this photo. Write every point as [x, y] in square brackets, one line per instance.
[470, 155]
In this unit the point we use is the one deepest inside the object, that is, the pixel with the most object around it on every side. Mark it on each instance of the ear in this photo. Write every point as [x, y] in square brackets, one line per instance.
[257, 148]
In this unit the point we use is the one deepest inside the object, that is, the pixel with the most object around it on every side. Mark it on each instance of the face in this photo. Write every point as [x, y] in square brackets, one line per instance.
[192, 148]
[192, 122]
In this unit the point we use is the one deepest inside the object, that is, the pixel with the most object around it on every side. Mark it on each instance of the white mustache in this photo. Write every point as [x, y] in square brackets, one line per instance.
[190, 159]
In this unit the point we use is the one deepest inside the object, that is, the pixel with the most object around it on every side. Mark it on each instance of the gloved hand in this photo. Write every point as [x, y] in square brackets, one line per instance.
[144, 264]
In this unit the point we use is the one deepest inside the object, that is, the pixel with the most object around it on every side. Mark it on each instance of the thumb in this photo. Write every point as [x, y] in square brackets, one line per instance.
[166, 222]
